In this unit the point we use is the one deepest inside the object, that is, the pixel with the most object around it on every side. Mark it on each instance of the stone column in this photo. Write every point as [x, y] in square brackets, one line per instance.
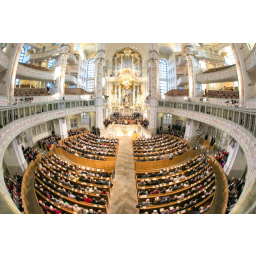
[119, 94]
[60, 127]
[8, 77]
[154, 87]
[60, 72]
[191, 134]
[243, 76]
[236, 162]
[133, 95]
[99, 64]
[190, 59]
[14, 158]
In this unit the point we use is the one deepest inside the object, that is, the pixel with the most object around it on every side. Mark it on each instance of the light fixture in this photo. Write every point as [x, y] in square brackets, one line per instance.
[185, 98]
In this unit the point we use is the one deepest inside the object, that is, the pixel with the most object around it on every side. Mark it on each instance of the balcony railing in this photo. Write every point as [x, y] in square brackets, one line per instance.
[239, 123]
[250, 60]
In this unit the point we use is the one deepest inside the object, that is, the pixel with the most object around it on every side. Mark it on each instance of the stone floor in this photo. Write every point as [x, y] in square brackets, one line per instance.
[123, 195]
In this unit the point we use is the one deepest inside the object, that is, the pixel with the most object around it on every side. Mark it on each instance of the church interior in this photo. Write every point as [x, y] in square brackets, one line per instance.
[127, 128]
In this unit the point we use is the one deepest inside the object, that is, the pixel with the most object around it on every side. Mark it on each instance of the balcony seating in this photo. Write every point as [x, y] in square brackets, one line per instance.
[217, 69]
[35, 67]
[19, 92]
[222, 94]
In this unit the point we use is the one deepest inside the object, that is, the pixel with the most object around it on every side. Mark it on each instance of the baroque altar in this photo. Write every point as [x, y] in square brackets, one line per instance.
[126, 83]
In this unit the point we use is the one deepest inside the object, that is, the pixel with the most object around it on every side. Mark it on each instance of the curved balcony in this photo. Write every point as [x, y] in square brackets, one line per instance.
[226, 75]
[13, 129]
[24, 72]
[72, 59]
[70, 79]
[250, 61]
[217, 47]
[53, 53]
[243, 134]
[182, 81]
[201, 55]
[181, 61]
[37, 45]
[4, 61]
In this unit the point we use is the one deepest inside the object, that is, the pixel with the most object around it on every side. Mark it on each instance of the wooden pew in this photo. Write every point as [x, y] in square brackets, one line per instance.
[73, 201]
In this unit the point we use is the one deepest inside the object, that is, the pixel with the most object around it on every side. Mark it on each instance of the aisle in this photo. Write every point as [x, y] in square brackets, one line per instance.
[124, 199]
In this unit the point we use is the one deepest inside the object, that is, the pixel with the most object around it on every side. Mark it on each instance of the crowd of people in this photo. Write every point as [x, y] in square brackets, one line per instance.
[13, 185]
[96, 131]
[136, 118]
[221, 156]
[145, 123]
[62, 178]
[158, 147]
[235, 187]
[177, 184]
[76, 132]
[29, 153]
[91, 146]
[48, 141]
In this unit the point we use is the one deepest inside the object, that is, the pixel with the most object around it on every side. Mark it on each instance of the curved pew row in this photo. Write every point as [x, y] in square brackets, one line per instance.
[163, 188]
[182, 204]
[164, 172]
[174, 188]
[78, 190]
[53, 194]
[69, 166]
[81, 156]
[78, 181]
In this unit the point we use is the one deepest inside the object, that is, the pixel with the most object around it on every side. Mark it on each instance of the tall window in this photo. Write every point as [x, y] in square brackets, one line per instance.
[51, 63]
[90, 75]
[73, 123]
[163, 79]
[85, 118]
[22, 55]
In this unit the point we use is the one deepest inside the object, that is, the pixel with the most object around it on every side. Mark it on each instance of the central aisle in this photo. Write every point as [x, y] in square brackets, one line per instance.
[124, 198]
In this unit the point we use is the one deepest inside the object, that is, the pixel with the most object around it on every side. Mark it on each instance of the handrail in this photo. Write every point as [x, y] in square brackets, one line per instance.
[220, 200]
[26, 181]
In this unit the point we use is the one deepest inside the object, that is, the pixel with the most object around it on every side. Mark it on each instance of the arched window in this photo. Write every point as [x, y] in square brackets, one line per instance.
[163, 78]
[90, 75]
[22, 55]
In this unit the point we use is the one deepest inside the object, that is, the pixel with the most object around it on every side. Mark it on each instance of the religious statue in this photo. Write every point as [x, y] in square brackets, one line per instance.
[126, 100]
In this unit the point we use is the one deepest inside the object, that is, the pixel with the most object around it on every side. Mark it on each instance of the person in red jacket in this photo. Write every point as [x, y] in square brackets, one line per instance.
[87, 199]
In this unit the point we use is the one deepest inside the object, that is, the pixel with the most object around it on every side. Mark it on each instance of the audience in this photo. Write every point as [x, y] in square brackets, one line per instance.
[221, 156]
[76, 132]
[29, 153]
[14, 187]
[235, 187]
[48, 141]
